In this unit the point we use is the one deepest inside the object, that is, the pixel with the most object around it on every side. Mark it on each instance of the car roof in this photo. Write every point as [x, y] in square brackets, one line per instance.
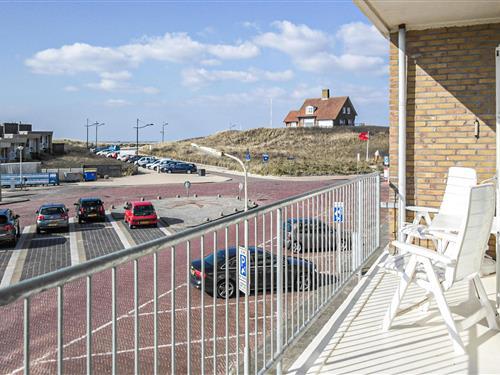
[52, 205]
[232, 250]
[90, 199]
[139, 203]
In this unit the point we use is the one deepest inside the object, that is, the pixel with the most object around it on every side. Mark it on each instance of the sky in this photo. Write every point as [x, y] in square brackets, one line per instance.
[201, 66]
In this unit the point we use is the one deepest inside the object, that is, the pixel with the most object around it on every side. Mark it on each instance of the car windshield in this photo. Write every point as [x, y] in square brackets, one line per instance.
[3, 219]
[209, 259]
[52, 211]
[144, 210]
[91, 203]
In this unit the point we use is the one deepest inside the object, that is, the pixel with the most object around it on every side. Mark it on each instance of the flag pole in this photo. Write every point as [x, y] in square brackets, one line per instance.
[367, 146]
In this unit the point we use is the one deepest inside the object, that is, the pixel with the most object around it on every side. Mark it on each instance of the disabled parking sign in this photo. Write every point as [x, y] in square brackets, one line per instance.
[338, 212]
[243, 270]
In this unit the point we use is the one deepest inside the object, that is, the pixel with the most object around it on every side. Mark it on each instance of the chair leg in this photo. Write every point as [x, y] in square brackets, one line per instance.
[399, 294]
[437, 291]
[485, 302]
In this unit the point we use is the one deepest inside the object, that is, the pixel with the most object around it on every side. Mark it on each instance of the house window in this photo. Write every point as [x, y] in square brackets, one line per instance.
[343, 111]
[348, 110]
[341, 121]
[309, 110]
[349, 121]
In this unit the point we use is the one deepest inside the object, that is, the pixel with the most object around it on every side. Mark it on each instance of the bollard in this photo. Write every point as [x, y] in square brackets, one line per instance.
[158, 197]
[195, 195]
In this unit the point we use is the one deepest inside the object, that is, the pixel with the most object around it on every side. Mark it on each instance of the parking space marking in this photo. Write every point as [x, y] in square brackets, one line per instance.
[15, 266]
[163, 228]
[122, 233]
[73, 243]
[80, 244]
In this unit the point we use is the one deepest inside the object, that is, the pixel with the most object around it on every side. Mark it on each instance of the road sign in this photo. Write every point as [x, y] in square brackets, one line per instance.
[265, 158]
[386, 160]
[247, 156]
[244, 284]
[338, 212]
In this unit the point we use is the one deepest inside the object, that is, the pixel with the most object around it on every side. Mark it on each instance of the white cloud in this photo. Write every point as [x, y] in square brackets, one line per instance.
[171, 47]
[322, 62]
[150, 90]
[251, 25]
[294, 39]
[210, 62]
[107, 85]
[362, 39]
[118, 81]
[117, 76]
[259, 94]
[117, 103]
[70, 88]
[195, 77]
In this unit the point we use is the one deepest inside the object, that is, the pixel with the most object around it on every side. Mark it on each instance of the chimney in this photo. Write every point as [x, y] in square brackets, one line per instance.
[325, 94]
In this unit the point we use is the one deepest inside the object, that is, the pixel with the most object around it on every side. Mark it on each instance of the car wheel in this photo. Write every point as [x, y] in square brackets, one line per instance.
[188, 172]
[169, 171]
[303, 283]
[130, 226]
[296, 247]
[221, 289]
[38, 230]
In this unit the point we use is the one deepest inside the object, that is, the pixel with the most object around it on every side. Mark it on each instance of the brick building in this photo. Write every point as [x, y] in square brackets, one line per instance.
[322, 112]
[443, 64]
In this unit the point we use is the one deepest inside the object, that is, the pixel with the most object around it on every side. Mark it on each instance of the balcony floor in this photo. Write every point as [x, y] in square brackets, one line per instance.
[352, 342]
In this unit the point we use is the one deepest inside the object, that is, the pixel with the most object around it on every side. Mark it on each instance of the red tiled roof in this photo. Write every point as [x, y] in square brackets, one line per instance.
[326, 109]
[292, 117]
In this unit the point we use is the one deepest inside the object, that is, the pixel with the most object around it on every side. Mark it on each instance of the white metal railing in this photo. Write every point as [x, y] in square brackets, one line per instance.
[135, 310]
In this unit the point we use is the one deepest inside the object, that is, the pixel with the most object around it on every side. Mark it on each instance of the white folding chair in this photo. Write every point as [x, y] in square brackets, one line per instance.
[447, 218]
[437, 272]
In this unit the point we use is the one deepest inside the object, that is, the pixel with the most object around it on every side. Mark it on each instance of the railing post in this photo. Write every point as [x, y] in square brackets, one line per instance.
[246, 355]
[358, 242]
[279, 287]
[377, 210]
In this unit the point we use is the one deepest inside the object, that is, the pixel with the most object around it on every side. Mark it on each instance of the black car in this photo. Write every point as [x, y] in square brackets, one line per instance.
[9, 226]
[133, 159]
[180, 168]
[303, 234]
[90, 209]
[304, 272]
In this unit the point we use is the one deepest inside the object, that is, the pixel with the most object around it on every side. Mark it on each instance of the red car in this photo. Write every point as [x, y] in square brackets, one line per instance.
[140, 213]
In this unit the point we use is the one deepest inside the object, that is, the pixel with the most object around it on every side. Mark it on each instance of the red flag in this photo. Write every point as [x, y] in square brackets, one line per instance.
[363, 136]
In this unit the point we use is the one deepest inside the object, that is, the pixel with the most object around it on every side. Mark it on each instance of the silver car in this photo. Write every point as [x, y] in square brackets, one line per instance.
[52, 216]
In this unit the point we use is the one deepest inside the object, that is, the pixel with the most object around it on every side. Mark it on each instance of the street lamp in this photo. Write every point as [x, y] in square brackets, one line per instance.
[87, 126]
[137, 127]
[96, 124]
[163, 131]
[20, 148]
[220, 154]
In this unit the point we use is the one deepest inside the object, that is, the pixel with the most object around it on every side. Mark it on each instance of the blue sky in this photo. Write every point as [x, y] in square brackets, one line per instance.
[200, 66]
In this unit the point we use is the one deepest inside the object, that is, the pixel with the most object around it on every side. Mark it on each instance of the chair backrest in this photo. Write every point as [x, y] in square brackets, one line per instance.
[474, 233]
[457, 187]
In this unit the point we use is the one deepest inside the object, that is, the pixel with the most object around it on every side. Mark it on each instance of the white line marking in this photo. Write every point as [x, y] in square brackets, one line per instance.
[123, 238]
[164, 229]
[73, 243]
[19, 250]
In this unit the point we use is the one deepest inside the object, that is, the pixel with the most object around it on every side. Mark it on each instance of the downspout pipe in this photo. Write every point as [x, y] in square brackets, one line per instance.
[497, 175]
[402, 128]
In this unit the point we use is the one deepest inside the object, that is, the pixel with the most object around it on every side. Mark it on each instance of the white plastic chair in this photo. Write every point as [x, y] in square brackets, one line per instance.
[447, 218]
[437, 273]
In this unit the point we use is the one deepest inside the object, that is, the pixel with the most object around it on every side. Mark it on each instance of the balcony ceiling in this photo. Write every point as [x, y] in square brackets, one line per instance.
[419, 15]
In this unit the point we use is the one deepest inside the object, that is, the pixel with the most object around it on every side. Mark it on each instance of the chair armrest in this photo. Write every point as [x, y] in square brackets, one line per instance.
[422, 251]
[430, 210]
[450, 237]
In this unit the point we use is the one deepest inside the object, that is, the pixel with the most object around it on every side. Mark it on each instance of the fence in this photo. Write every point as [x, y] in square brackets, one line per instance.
[28, 167]
[135, 310]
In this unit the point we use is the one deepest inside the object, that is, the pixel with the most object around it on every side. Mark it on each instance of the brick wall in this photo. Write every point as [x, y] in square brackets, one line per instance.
[451, 83]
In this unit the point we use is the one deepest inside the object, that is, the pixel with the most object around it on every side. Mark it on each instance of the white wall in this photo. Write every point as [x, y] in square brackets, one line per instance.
[325, 123]
[308, 122]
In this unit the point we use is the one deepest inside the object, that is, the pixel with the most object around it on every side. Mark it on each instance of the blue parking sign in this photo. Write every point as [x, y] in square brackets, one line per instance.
[338, 212]
[243, 270]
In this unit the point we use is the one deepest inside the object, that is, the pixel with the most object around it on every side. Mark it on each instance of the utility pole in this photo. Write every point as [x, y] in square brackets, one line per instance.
[87, 126]
[163, 131]
[96, 124]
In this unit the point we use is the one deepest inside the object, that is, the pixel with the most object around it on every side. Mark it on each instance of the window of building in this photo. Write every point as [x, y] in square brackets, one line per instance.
[343, 110]
[341, 121]
[348, 110]
[309, 110]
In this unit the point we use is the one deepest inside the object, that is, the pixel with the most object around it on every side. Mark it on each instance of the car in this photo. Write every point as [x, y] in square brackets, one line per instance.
[112, 154]
[140, 214]
[304, 272]
[52, 216]
[303, 234]
[180, 168]
[90, 209]
[162, 163]
[145, 160]
[133, 159]
[10, 230]
[151, 164]
[124, 157]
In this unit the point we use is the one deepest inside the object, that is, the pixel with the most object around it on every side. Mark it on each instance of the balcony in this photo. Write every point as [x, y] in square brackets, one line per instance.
[352, 342]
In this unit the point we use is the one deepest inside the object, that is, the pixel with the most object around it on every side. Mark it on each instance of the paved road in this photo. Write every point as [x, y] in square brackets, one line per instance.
[90, 240]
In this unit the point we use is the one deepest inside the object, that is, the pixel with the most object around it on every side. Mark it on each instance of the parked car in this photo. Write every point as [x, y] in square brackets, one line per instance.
[133, 159]
[180, 168]
[140, 213]
[145, 160]
[163, 163]
[303, 234]
[151, 164]
[303, 278]
[90, 209]
[52, 216]
[10, 230]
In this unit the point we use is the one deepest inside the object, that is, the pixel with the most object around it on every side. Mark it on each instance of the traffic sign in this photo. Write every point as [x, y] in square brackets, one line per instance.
[247, 156]
[265, 158]
[338, 212]
[386, 160]
[244, 284]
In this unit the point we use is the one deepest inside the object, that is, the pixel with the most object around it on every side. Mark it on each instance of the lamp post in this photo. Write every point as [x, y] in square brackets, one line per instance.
[96, 124]
[87, 126]
[137, 127]
[20, 148]
[163, 131]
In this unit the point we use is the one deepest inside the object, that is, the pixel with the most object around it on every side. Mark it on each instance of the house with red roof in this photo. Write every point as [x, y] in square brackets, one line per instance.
[323, 112]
